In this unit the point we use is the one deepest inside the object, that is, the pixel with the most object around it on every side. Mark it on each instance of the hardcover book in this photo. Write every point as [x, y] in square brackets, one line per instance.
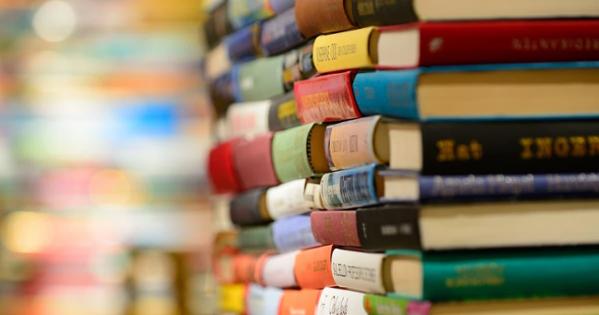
[253, 162]
[293, 233]
[313, 268]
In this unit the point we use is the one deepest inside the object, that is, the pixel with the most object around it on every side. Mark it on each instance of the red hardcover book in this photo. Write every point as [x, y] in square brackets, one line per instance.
[326, 98]
[508, 41]
[335, 227]
[253, 161]
[221, 169]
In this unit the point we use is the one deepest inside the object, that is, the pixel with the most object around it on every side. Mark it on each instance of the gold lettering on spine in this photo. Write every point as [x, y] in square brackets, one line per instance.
[446, 150]
[544, 148]
[593, 145]
[578, 147]
[449, 151]
[526, 144]
[562, 147]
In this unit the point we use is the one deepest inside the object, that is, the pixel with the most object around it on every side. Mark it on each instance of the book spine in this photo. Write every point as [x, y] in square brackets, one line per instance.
[382, 305]
[389, 227]
[221, 169]
[434, 188]
[242, 45]
[248, 119]
[291, 153]
[244, 267]
[508, 42]
[287, 199]
[263, 300]
[253, 162]
[293, 233]
[217, 25]
[298, 65]
[278, 271]
[245, 12]
[499, 275]
[256, 238]
[350, 188]
[313, 268]
[390, 12]
[342, 51]
[335, 301]
[232, 298]
[538, 147]
[316, 17]
[280, 6]
[245, 208]
[280, 34]
[295, 302]
[387, 93]
[335, 227]
[326, 98]
[358, 271]
[272, 300]
[283, 113]
[221, 93]
[260, 79]
[350, 144]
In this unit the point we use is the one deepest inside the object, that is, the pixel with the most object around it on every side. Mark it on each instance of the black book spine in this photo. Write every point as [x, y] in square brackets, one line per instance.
[389, 227]
[244, 209]
[523, 147]
[382, 12]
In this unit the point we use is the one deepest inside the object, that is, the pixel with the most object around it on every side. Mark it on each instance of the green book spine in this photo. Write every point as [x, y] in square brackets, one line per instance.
[511, 274]
[256, 238]
[382, 305]
[291, 153]
[261, 79]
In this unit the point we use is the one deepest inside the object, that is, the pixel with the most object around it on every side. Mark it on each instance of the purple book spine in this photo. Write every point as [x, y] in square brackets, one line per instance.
[293, 233]
[280, 34]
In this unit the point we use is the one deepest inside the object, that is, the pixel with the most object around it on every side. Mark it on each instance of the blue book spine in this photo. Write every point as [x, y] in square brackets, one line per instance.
[245, 12]
[280, 34]
[440, 188]
[280, 6]
[241, 45]
[351, 188]
[387, 93]
[293, 233]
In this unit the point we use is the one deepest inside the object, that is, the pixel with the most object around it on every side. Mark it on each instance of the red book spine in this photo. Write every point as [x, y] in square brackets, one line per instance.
[221, 169]
[508, 42]
[253, 162]
[335, 227]
[326, 98]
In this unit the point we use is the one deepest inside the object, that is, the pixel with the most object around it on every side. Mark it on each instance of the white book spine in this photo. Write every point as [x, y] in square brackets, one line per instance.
[334, 301]
[358, 271]
[278, 270]
[287, 199]
[248, 119]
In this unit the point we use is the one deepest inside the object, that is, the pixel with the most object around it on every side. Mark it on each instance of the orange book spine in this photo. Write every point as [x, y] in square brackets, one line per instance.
[313, 268]
[299, 302]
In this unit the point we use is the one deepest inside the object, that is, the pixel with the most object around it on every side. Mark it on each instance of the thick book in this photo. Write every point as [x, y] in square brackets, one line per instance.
[538, 306]
[280, 34]
[259, 79]
[282, 113]
[296, 302]
[455, 43]
[316, 17]
[299, 152]
[485, 275]
[359, 271]
[341, 301]
[516, 91]
[221, 168]
[278, 270]
[249, 208]
[383, 305]
[313, 268]
[231, 298]
[372, 12]
[287, 199]
[257, 238]
[244, 267]
[263, 300]
[253, 162]
[326, 98]
[472, 225]
[243, 44]
[293, 233]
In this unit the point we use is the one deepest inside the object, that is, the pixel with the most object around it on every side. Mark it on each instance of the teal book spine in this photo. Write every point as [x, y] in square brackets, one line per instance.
[259, 79]
[388, 93]
[528, 273]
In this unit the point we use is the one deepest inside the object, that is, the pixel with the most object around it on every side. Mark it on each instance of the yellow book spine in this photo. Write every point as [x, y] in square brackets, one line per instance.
[345, 50]
[232, 298]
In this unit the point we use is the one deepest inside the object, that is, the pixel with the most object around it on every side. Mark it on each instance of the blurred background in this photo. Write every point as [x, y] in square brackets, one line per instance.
[104, 125]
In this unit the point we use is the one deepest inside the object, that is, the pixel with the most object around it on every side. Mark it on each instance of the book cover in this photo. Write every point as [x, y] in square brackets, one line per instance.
[358, 270]
[255, 238]
[326, 98]
[335, 227]
[242, 44]
[316, 17]
[313, 268]
[249, 208]
[345, 50]
[351, 188]
[293, 233]
[221, 168]
[259, 79]
[287, 199]
[280, 34]
[253, 162]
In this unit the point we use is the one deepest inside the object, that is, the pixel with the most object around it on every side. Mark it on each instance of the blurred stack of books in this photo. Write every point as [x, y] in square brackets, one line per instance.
[406, 157]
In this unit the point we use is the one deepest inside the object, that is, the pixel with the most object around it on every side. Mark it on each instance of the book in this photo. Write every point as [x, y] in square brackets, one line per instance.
[263, 300]
[383, 305]
[221, 93]
[455, 43]
[221, 168]
[454, 276]
[341, 301]
[316, 17]
[217, 62]
[280, 6]
[371, 12]
[280, 34]
[248, 119]
[217, 25]
[259, 79]
[522, 91]
[249, 208]
[231, 298]
[313, 268]
[253, 162]
[243, 44]
[244, 267]
[296, 302]
[435, 10]
[282, 113]
[244, 12]
[326, 98]
[257, 238]
[299, 152]
[541, 306]
[287, 199]
[278, 270]
[338, 301]
[293, 233]
[298, 65]
[358, 271]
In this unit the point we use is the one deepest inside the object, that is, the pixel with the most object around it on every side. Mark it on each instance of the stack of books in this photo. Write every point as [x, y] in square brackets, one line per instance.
[442, 160]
